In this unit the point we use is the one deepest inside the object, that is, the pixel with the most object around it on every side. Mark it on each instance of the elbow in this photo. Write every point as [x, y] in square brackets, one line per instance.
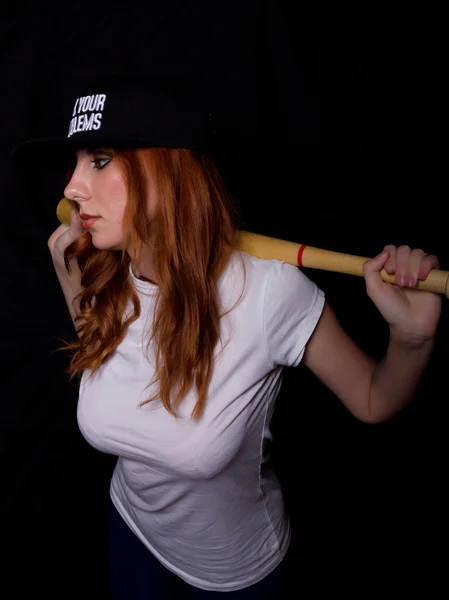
[369, 419]
[375, 417]
[372, 410]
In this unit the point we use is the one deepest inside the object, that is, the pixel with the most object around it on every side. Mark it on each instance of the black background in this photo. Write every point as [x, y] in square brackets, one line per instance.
[331, 132]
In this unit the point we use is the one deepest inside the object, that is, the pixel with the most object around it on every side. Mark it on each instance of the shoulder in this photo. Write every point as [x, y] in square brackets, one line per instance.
[274, 274]
[259, 268]
[266, 282]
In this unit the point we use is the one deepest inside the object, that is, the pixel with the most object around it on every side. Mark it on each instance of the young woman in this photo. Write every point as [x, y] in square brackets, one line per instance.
[182, 341]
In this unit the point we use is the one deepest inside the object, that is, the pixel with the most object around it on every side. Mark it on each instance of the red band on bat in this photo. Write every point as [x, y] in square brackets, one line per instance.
[300, 253]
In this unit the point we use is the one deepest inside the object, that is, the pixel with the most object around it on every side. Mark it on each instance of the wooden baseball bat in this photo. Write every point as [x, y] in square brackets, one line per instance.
[301, 255]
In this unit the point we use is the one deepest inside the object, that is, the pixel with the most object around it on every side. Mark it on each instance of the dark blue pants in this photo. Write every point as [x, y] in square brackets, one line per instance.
[135, 574]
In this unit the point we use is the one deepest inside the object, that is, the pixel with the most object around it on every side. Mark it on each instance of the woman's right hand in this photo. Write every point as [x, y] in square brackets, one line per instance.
[70, 280]
[64, 235]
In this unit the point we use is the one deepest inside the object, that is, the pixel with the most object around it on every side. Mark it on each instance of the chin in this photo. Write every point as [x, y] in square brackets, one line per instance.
[106, 244]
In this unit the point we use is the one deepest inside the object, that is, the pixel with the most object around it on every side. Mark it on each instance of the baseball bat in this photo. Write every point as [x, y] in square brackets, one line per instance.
[302, 255]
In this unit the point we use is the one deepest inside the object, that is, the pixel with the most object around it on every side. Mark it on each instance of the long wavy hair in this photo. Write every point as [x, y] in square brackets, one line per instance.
[196, 226]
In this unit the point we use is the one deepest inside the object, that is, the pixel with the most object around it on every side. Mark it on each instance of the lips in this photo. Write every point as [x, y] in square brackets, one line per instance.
[88, 220]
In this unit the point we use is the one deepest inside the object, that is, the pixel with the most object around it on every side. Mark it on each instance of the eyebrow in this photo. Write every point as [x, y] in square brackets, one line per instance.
[91, 151]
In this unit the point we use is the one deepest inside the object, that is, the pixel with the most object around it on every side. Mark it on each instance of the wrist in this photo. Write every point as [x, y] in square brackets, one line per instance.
[58, 259]
[410, 341]
[60, 266]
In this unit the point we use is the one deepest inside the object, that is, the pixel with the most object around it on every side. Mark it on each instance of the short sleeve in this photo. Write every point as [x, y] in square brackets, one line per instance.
[292, 308]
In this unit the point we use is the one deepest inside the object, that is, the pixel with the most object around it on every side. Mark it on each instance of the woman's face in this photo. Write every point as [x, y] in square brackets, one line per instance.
[98, 186]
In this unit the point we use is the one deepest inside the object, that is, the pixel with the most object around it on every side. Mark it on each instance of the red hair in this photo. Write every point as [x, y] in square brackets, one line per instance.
[194, 240]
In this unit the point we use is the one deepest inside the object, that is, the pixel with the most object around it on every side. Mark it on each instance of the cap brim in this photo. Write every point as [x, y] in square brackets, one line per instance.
[37, 149]
[62, 148]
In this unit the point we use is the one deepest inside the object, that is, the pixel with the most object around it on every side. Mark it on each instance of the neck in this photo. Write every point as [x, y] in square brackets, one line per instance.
[145, 269]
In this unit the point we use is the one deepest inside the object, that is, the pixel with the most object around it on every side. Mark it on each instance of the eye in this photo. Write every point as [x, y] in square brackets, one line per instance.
[100, 163]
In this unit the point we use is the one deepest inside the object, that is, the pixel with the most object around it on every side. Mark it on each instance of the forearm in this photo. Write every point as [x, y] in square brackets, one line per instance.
[395, 379]
[70, 282]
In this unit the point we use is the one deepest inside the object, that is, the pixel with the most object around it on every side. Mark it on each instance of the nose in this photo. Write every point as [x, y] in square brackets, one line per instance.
[78, 187]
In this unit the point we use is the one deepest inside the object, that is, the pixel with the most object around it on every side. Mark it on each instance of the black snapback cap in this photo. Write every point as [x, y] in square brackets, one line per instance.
[122, 112]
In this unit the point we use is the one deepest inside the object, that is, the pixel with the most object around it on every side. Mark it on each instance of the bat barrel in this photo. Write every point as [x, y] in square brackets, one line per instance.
[263, 246]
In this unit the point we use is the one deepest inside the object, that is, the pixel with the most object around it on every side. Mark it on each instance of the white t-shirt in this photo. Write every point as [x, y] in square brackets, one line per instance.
[201, 495]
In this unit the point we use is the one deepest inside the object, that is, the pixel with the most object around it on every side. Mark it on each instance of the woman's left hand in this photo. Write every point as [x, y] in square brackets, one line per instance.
[411, 313]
